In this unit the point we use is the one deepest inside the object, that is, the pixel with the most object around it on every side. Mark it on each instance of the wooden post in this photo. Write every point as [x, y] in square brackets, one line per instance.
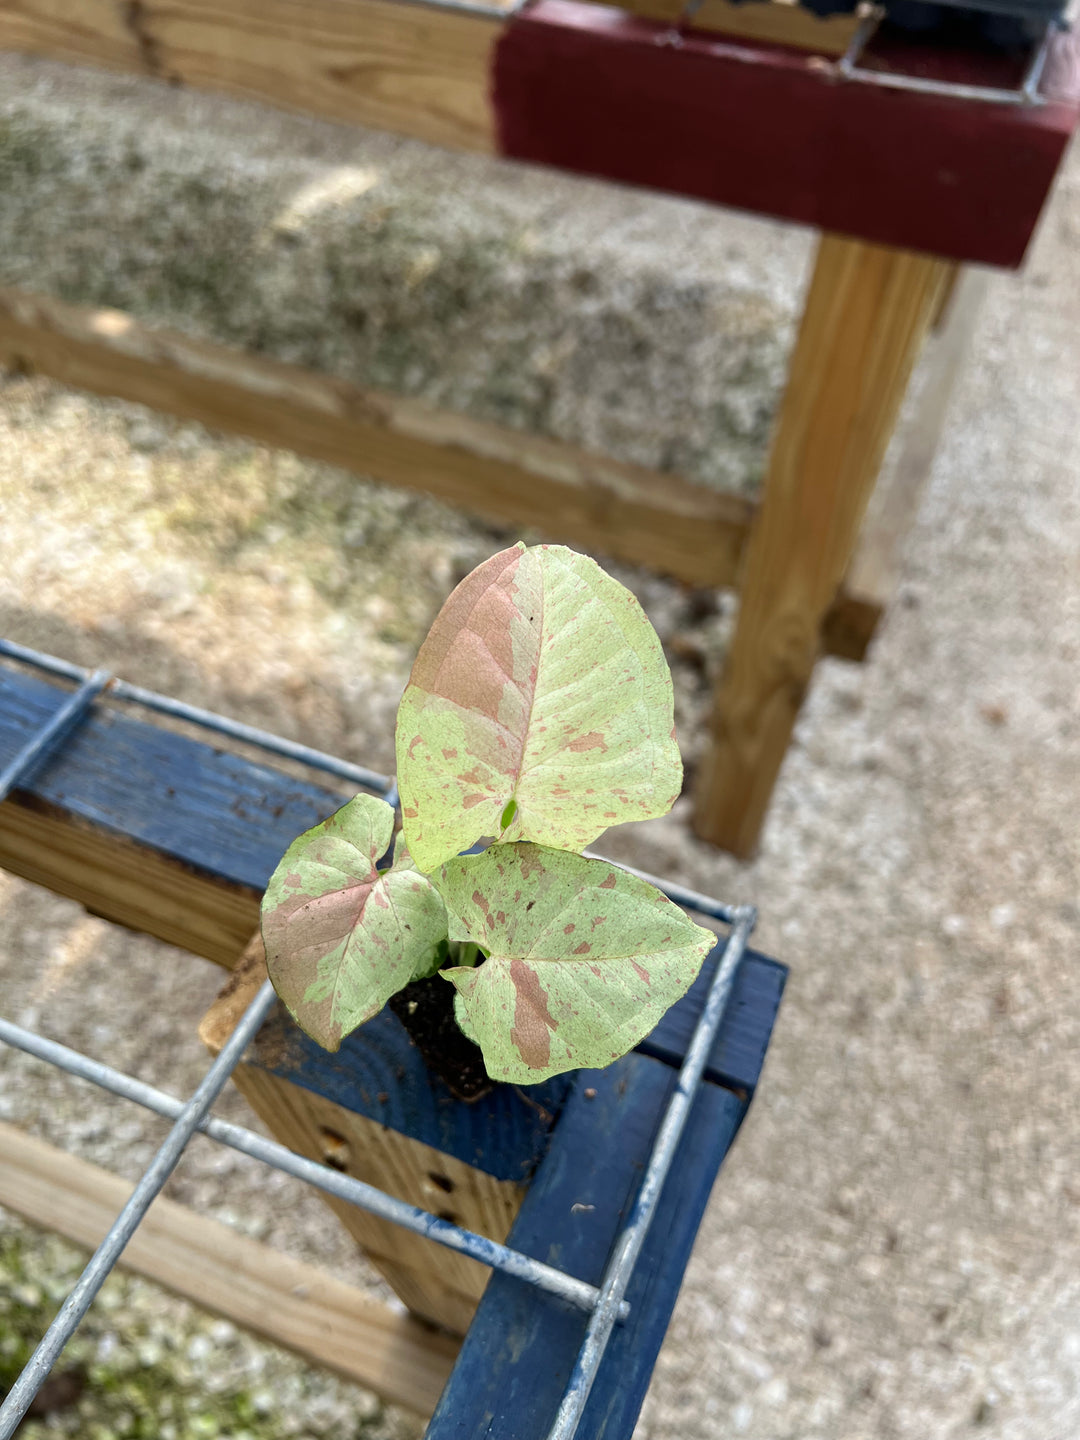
[866, 314]
[874, 573]
[574, 495]
[349, 1111]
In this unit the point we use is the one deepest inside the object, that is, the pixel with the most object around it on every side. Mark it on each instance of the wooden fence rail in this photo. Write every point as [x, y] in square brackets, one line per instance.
[943, 180]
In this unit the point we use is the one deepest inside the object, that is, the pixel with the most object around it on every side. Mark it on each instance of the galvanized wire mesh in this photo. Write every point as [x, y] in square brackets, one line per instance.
[605, 1304]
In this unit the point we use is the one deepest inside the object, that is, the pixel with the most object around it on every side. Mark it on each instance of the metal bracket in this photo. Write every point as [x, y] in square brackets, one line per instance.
[1027, 93]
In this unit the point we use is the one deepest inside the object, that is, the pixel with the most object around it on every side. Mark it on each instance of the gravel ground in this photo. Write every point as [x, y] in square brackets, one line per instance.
[893, 1247]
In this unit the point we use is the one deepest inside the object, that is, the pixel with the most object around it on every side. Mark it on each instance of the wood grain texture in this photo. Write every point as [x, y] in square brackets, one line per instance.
[285, 1301]
[398, 67]
[599, 504]
[126, 883]
[738, 1051]
[93, 32]
[866, 314]
[517, 1357]
[874, 573]
[776, 23]
[435, 1283]
[147, 827]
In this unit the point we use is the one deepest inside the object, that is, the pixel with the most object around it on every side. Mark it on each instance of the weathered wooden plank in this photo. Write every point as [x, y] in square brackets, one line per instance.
[572, 495]
[378, 1074]
[517, 1357]
[738, 1051]
[147, 827]
[400, 67]
[374, 1111]
[777, 23]
[874, 573]
[186, 798]
[393, 66]
[95, 32]
[865, 318]
[285, 1301]
[126, 883]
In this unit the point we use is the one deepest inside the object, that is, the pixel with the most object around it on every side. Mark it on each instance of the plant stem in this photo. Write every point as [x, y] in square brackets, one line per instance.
[465, 952]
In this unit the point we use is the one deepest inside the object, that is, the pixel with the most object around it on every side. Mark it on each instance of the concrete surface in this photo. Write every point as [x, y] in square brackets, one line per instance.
[656, 333]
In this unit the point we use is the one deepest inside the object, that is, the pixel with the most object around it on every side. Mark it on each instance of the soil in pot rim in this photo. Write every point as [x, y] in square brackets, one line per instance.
[426, 1009]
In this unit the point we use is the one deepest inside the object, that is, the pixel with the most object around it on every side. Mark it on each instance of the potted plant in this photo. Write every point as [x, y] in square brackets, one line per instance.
[538, 713]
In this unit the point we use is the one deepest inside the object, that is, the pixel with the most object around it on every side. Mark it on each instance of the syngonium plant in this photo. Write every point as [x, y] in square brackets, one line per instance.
[539, 712]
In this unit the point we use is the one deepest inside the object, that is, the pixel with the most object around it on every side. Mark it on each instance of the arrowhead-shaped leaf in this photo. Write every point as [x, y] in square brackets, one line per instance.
[539, 708]
[583, 958]
[340, 936]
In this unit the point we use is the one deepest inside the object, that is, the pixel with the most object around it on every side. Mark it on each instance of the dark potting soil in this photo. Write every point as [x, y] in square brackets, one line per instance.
[426, 1009]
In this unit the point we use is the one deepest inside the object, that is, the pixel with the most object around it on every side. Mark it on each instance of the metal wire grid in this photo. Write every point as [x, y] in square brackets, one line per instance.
[847, 67]
[605, 1305]
[1026, 93]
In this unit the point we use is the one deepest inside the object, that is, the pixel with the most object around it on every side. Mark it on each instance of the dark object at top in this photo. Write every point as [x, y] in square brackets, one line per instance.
[1001, 24]
[903, 142]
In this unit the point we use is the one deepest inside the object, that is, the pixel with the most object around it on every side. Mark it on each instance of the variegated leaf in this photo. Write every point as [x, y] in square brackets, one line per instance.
[342, 937]
[583, 958]
[539, 708]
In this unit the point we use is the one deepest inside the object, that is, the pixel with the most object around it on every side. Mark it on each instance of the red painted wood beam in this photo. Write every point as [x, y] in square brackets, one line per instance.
[777, 132]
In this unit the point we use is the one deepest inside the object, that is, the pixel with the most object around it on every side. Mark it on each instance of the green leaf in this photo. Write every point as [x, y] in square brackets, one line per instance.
[584, 958]
[340, 936]
[539, 708]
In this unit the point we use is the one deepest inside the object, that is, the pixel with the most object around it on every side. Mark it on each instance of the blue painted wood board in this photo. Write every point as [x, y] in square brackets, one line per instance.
[738, 1052]
[517, 1357]
[379, 1073]
[211, 810]
[232, 819]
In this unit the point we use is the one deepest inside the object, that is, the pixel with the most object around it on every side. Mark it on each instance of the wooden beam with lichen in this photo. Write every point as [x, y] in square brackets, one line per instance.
[569, 494]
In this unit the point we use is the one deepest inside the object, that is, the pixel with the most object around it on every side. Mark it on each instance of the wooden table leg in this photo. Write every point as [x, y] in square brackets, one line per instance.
[874, 573]
[866, 314]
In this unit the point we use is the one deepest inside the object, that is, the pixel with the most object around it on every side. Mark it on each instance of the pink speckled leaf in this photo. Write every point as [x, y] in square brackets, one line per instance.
[583, 958]
[539, 708]
[342, 937]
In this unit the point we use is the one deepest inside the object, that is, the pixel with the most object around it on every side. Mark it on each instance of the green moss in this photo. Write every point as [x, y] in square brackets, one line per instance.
[414, 290]
[29, 152]
[139, 1382]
